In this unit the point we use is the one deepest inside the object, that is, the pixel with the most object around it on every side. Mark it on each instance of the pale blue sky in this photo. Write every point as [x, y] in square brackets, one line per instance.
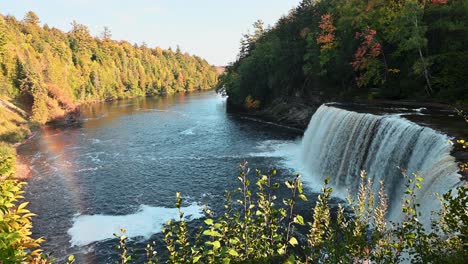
[208, 28]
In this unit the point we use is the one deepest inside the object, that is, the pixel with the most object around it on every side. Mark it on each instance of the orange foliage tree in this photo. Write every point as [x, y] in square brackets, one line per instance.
[366, 62]
[326, 39]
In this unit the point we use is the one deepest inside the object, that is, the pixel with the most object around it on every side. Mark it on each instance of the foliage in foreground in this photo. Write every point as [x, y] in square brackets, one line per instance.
[15, 219]
[258, 228]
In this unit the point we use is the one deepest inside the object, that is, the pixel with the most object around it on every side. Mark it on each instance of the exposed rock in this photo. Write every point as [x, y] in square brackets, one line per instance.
[287, 111]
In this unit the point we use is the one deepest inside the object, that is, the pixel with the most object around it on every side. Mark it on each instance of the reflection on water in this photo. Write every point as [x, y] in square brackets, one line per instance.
[135, 154]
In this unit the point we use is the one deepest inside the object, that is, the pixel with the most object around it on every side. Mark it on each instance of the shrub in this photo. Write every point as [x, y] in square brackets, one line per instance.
[15, 219]
[262, 230]
[14, 136]
[251, 103]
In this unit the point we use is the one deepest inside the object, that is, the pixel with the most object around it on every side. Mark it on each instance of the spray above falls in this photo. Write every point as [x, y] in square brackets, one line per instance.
[340, 143]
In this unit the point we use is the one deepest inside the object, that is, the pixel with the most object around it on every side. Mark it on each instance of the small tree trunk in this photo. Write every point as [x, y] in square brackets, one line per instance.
[426, 73]
[423, 61]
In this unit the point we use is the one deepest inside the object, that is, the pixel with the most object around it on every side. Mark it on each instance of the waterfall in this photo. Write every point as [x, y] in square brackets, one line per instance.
[340, 143]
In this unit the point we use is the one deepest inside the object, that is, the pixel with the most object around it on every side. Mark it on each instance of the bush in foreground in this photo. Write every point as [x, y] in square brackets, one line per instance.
[258, 228]
[16, 244]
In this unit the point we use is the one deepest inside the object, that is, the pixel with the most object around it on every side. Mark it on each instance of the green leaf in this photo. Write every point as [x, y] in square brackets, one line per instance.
[216, 245]
[281, 250]
[293, 241]
[291, 260]
[303, 197]
[232, 252]
[299, 220]
[196, 259]
[209, 221]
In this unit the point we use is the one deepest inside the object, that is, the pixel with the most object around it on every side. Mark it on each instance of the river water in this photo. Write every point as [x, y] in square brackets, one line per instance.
[123, 166]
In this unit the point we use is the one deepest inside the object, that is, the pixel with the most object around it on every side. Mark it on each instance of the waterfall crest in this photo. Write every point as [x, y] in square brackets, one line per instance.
[340, 143]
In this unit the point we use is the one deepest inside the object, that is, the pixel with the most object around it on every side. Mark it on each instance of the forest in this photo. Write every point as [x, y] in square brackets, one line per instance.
[322, 50]
[345, 50]
[49, 72]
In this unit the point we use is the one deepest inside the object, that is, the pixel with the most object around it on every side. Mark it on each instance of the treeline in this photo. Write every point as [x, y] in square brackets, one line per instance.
[50, 71]
[355, 49]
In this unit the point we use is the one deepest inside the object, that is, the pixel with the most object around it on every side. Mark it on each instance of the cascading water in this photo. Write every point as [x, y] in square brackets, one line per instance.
[340, 143]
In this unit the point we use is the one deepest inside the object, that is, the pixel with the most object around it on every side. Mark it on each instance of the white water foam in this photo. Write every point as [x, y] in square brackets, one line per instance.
[290, 153]
[289, 150]
[188, 132]
[88, 169]
[340, 143]
[147, 221]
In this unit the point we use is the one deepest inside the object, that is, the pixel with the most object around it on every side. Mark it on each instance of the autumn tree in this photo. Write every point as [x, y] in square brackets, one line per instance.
[326, 38]
[51, 71]
[3, 39]
[31, 18]
[366, 59]
[80, 37]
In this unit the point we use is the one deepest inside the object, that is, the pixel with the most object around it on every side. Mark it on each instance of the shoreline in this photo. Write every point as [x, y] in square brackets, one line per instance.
[23, 170]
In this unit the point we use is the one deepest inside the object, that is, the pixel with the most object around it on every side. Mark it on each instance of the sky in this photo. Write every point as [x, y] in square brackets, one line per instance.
[210, 29]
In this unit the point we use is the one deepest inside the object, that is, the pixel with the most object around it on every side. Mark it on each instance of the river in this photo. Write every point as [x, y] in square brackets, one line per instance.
[122, 167]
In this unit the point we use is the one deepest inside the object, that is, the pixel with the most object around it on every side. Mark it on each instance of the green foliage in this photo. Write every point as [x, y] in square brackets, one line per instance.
[125, 254]
[261, 230]
[51, 71]
[7, 161]
[334, 49]
[15, 218]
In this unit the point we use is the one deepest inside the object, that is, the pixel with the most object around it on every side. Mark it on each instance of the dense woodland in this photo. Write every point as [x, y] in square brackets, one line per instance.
[355, 49]
[49, 71]
[323, 49]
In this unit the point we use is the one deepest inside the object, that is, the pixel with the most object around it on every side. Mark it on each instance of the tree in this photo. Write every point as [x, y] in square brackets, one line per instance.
[50, 71]
[106, 33]
[411, 38]
[31, 18]
[80, 37]
[3, 41]
[259, 30]
[248, 40]
[366, 61]
[326, 39]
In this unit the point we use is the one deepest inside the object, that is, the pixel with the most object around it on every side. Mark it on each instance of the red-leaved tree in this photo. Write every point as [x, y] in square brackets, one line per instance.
[366, 62]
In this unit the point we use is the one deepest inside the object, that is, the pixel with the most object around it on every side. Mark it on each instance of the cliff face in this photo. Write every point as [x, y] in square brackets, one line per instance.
[288, 111]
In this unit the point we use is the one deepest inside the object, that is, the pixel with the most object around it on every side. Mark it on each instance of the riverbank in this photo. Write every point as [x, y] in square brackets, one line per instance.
[17, 128]
[296, 112]
[288, 111]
